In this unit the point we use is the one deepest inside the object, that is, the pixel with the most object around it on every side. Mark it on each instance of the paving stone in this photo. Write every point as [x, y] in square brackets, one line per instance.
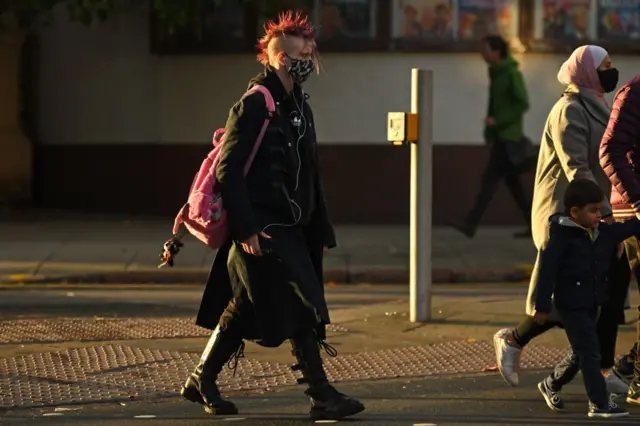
[116, 372]
[91, 329]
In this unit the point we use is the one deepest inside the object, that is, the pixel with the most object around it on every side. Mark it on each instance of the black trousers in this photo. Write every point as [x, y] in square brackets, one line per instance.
[606, 329]
[584, 356]
[611, 315]
[632, 250]
[499, 167]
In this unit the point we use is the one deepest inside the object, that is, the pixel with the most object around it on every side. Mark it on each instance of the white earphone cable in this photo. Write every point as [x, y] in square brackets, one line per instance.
[302, 130]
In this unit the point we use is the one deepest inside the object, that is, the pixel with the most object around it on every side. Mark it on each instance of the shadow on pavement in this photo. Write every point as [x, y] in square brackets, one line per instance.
[443, 400]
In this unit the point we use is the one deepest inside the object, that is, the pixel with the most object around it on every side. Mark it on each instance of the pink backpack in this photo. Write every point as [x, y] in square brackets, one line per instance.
[204, 215]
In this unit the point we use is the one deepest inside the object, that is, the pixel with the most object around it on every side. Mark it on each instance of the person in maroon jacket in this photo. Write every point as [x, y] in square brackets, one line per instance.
[620, 159]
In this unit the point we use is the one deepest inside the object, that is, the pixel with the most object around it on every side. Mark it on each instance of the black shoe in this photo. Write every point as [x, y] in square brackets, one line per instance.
[206, 393]
[326, 402]
[329, 404]
[464, 228]
[191, 390]
[624, 369]
[633, 396]
[554, 402]
[223, 347]
[609, 412]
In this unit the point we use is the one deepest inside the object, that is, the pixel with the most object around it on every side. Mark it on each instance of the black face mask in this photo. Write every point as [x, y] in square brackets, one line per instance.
[300, 69]
[608, 79]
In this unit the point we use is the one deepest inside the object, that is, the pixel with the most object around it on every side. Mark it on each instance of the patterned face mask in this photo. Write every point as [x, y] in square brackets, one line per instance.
[300, 69]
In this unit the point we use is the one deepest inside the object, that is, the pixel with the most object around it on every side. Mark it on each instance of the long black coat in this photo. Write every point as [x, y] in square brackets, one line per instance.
[282, 194]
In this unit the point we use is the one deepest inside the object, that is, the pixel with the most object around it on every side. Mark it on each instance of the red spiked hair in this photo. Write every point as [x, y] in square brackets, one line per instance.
[289, 23]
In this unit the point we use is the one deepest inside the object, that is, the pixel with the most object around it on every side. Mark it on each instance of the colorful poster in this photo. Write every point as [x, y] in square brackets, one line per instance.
[479, 18]
[565, 19]
[346, 18]
[422, 19]
[618, 19]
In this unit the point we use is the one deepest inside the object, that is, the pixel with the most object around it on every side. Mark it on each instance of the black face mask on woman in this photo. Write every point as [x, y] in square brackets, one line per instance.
[300, 69]
[608, 79]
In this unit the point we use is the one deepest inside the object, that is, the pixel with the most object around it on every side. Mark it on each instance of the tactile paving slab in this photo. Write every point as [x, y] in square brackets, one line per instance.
[95, 329]
[116, 373]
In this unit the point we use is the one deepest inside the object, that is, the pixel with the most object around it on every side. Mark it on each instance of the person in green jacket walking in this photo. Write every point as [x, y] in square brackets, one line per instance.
[508, 102]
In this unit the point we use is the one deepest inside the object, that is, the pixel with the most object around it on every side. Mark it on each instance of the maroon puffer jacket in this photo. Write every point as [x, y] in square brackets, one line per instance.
[620, 150]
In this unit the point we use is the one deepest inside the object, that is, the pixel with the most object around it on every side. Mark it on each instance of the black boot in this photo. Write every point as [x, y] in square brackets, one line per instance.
[326, 402]
[200, 387]
[464, 228]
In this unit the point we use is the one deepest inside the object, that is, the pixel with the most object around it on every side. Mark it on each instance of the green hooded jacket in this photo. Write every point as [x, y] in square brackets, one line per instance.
[508, 101]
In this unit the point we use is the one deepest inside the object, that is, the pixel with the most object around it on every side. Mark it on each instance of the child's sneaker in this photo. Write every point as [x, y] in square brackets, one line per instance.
[633, 396]
[615, 383]
[507, 357]
[609, 412]
[551, 397]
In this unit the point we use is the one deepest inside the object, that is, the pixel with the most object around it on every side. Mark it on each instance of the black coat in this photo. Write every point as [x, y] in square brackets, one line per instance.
[574, 266]
[283, 196]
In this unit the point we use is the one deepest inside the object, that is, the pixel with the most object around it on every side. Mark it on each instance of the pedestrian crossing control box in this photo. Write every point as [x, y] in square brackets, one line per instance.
[402, 128]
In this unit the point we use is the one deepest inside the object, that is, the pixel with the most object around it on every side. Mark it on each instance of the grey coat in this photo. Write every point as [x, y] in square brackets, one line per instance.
[569, 150]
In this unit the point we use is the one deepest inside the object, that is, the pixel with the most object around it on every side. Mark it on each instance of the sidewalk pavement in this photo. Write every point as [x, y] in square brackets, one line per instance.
[133, 348]
[89, 250]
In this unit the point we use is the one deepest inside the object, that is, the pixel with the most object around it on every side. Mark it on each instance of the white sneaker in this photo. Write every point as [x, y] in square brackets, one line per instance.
[614, 384]
[507, 357]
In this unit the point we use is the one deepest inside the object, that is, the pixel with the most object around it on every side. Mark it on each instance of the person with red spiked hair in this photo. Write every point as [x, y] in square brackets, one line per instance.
[266, 283]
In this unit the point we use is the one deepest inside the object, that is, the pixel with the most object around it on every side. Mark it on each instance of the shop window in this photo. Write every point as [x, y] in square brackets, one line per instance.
[217, 27]
[564, 20]
[423, 19]
[346, 19]
[618, 20]
[479, 18]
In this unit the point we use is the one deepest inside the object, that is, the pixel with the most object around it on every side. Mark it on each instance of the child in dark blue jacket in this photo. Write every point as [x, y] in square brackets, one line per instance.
[573, 280]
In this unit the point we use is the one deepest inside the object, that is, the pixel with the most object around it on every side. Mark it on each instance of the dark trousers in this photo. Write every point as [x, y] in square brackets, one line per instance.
[499, 167]
[528, 330]
[611, 315]
[632, 251]
[584, 356]
[606, 328]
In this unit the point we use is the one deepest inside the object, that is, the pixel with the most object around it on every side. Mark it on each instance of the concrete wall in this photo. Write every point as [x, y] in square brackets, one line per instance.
[101, 85]
[108, 107]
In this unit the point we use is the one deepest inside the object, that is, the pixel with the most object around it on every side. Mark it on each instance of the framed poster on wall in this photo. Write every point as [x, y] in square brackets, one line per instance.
[564, 20]
[479, 18]
[424, 19]
[351, 19]
[618, 20]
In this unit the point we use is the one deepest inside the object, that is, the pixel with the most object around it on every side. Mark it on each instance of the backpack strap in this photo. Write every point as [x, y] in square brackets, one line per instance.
[177, 236]
[271, 108]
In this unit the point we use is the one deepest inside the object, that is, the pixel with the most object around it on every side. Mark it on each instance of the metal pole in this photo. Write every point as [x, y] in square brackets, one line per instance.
[421, 197]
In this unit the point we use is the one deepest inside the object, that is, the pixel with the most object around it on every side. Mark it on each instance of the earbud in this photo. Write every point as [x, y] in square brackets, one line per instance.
[296, 121]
